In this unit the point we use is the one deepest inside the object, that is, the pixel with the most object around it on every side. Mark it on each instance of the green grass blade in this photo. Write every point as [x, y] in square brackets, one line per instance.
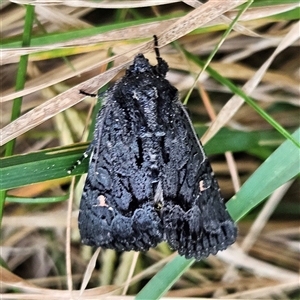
[165, 278]
[37, 200]
[212, 54]
[20, 170]
[280, 167]
[283, 164]
[63, 37]
[53, 163]
[20, 83]
[241, 93]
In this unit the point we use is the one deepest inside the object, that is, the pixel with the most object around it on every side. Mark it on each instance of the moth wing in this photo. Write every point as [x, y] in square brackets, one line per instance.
[148, 177]
[195, 219]
[115, 211]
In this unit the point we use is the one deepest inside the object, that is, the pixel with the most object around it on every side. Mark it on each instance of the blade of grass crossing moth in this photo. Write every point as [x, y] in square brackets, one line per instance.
[20, 83]
[268, 177]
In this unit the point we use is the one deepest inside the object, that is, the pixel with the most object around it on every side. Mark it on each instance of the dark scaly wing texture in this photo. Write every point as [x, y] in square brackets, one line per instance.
[117, 209]
[149, 179]
[195, 219]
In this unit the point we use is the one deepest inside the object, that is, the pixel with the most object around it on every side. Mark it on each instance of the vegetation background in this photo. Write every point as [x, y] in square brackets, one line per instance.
[245, 106]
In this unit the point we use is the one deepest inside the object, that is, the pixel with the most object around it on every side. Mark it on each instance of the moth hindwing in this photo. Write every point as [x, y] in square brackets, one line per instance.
[149, 179]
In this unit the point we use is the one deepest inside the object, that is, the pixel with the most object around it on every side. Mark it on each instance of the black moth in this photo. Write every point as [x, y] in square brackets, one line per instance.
[149, 179]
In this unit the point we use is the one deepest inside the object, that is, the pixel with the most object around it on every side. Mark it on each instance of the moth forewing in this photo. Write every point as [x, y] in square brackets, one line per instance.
[149, 179]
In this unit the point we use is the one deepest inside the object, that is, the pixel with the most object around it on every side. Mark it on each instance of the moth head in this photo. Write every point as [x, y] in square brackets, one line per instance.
[140, 65]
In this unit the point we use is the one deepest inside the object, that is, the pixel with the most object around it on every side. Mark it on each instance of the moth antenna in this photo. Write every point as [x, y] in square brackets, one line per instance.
[87, 94]
[89, 149]
[156, 49]
[79, 161]
[162, 67]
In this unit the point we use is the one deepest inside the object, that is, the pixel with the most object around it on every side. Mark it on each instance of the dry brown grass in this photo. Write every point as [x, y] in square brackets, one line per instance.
[41, 251]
